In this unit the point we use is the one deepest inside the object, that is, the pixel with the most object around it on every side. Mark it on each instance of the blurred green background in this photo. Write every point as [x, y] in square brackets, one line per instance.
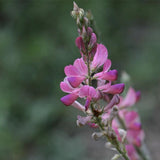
[37, 42]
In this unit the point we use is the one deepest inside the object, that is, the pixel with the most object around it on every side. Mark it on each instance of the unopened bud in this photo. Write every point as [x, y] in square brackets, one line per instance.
[77, 12]
[97, 135]
[108, 145]
[122, 133]
[116, 156]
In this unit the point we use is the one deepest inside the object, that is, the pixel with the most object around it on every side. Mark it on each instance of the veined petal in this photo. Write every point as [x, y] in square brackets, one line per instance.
[69, 99]
[75, 81]
[88, 101]
[100, 57]
[79, 43]
[71, 71]
[81, 66]
[115, 89]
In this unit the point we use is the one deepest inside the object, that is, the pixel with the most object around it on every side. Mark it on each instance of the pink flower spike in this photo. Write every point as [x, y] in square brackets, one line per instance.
[77, 105]
[100, 57]
[69, 99]
[115, 89]
[75, 81]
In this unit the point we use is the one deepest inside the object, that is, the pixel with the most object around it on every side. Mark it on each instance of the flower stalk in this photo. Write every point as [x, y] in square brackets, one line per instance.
[90, 78]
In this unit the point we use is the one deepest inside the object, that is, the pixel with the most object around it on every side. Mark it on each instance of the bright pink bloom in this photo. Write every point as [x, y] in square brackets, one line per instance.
[106, 74]
[131, 152]
[100, 57]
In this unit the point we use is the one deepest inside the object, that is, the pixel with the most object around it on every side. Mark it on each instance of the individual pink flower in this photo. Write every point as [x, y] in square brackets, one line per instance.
[73, 92]
[131, 152]
[106, 74]
[76, 73]
[131, 98]
[89, 93]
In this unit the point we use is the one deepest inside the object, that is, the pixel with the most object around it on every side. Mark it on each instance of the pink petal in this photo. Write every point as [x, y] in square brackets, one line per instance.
[88, 101]
[81, 66]
[100, 56]
[130, 98]
[65, 87]
[71, 71]
[75, 81]
[110, 76]
[107, 65]
[114, 101]
[93, 40]
[115, 89]
[131, 152]
[87, 91]
[69, 99]
[131, 116]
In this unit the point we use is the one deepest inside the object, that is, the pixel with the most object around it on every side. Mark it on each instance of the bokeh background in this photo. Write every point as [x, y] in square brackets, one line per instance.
[37, 42]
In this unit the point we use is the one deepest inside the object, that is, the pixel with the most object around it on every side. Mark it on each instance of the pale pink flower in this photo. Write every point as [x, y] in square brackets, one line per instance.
[131, 98]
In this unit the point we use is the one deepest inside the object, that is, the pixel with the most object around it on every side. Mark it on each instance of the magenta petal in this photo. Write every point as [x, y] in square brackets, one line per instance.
[100, 57]
[110, 76]
[65, 87]
[71, 71]
[69, 99]
[115, 89]
[79, 43]
[75, 81]
[88, 101]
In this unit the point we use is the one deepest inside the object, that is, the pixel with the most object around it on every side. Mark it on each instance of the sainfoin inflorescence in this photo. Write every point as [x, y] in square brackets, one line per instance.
[91, 79]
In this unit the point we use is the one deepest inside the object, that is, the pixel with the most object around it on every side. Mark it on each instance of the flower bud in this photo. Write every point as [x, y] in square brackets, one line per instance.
[116, 156]
[122, 133]
[108, 145]
[97, 135]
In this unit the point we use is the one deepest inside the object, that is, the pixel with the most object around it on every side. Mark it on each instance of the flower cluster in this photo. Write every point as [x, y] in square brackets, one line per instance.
[92, 80]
